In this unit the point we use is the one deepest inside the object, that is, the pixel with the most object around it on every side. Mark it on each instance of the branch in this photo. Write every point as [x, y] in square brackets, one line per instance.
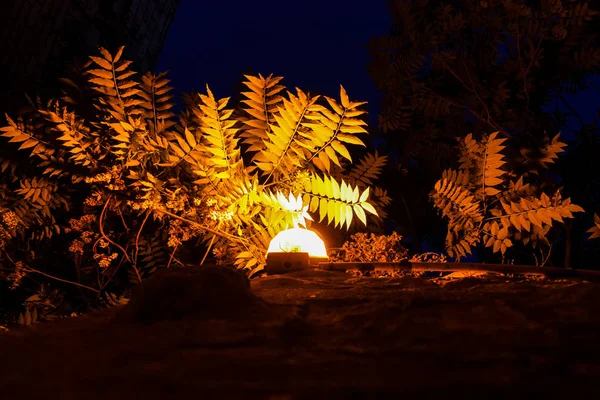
[200, 226]
[137, 248]
[109, 240]
[471, 89]
[519, 56]
[487, 110]
[29, 269]
[492, 124]
[570, 107]
[529, 67]
[172, 256]
[212, 241]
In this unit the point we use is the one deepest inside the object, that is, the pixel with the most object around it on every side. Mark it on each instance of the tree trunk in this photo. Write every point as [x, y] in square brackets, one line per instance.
[568, 244]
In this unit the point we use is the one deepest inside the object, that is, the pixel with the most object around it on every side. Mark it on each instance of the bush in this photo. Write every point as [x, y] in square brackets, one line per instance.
[110, 185]
[370, 247]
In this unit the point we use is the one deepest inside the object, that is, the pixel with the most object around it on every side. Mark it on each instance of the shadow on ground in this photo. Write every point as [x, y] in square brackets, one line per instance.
[317, 334]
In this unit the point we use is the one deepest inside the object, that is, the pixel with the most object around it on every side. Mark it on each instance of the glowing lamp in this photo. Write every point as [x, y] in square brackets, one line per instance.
[298, 240]
[294, 249]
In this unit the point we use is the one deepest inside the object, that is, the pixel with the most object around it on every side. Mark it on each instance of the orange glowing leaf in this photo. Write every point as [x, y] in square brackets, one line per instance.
[369, 207]
[331, 211]
[364, 196]
[360, 213]
[101, 62]
[341, 149]
[322, 209]
[333, 104]
[344, 97]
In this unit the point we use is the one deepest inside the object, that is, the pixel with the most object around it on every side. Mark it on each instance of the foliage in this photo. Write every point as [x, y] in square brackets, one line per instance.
[429, 257]
[447, 69]
[370, 247]
[487, 58]
[595, 230]
[485, 202]
[125, 186]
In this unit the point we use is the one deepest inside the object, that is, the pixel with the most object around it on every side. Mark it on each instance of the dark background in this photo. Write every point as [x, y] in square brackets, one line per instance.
[314, 44]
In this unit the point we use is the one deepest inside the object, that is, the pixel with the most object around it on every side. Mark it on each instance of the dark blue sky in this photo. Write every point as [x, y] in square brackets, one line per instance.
[314, 44]
[586, 103]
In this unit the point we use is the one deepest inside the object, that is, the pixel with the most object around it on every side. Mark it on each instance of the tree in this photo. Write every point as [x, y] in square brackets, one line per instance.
[449, 69]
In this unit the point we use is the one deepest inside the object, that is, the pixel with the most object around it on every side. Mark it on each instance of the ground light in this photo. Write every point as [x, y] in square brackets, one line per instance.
[293, 249]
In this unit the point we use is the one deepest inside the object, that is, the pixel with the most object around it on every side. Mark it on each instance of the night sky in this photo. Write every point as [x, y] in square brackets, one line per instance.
[315, 45]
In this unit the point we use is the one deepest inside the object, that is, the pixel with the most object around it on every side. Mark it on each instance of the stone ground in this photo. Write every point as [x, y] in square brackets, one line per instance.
[317, 334]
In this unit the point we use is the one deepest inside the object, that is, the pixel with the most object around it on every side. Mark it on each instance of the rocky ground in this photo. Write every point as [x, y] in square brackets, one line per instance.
[317, 334]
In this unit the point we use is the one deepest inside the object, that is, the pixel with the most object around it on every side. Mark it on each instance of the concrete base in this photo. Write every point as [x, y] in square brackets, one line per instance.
[278, 263]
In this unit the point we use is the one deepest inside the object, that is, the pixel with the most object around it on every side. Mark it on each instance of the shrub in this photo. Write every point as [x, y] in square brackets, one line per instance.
[123, 186]
[486, 201]
[370, 247]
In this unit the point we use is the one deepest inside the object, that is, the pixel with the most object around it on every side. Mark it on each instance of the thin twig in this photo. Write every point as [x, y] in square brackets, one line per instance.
[570, 107]
[410, 221]
[137, 247]
[109, 240]
[203, 227]
[477, 115]
[29, 269]
[519, 56]
[212, 241]
[529, 67]
[116, 269]
[472, 88]
[483, 103]
[172, 257]
[545, 260]
[123, 220]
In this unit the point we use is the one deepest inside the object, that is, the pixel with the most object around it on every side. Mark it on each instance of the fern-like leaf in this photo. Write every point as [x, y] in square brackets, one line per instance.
[16, 133]
[336, 201]
[261, 104]
[109, 76]
[331, 131]
[77, 138]
[538, 212]
[157, 105]
[219, 134]
[283, 149]
[368, 169]
[594, 231]
[491, 165]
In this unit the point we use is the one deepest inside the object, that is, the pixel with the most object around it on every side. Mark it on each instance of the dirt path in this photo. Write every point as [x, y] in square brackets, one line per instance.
[321, 335]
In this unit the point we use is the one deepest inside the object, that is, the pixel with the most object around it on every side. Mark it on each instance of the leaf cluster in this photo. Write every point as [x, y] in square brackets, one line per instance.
[127, 187]
[484, 202]
[448, 69]
[371, 247]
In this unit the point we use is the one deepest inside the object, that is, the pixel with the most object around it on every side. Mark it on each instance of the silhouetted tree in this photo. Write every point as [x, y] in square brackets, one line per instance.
[450, 68]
